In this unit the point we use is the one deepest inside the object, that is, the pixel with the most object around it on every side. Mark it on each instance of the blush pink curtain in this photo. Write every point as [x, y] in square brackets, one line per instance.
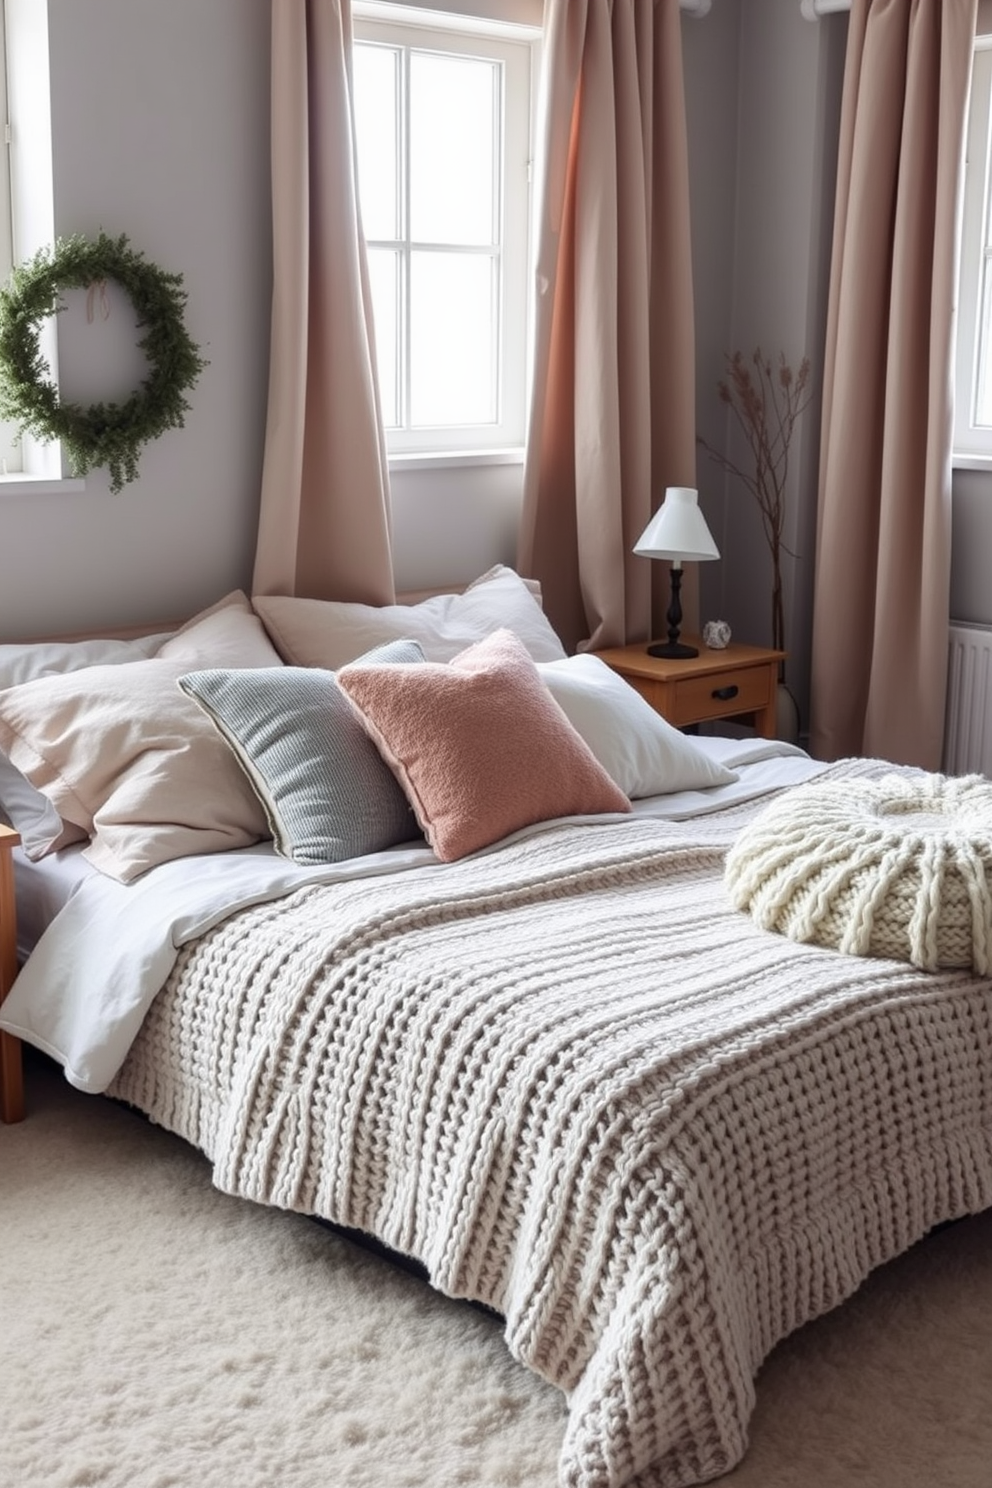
[880, 629]
[613, 408]
[324, 519]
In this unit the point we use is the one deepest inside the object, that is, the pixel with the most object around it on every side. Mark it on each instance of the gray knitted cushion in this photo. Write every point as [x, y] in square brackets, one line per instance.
[327, 792]
[900, 867]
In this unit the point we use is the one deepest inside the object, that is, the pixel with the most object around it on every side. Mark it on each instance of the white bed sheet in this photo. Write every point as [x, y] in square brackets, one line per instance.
[43, 889]
[84, 991]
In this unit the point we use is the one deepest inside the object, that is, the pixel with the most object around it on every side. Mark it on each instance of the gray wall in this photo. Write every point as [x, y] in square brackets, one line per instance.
[764, 87]
[160, 131]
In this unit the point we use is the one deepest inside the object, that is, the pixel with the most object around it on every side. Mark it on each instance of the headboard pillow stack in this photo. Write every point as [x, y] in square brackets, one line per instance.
[97, 741]
[248, 722]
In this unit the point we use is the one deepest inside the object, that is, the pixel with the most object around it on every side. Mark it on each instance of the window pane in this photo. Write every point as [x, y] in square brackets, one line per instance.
[376, 72]
[453, 165]
[384, 280]
[451, 306]
[983, 380]
[452, 339]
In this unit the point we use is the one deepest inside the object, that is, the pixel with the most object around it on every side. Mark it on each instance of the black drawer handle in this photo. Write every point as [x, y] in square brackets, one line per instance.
[725, 693]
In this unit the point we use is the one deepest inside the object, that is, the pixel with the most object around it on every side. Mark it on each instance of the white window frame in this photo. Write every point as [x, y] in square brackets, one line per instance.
[515, 47]
[973, 442]
[28, 194]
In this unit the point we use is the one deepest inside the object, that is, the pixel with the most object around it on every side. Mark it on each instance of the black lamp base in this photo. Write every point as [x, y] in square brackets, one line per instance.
[674, 650]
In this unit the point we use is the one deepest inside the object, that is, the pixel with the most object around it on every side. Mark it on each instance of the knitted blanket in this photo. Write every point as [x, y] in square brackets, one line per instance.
[584, 1090]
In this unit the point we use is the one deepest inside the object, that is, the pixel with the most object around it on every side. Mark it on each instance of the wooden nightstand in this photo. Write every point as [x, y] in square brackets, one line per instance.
[738, 682]
[11, 1076]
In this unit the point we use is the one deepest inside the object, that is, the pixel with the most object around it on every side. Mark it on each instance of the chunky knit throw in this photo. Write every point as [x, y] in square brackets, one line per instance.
[583, 1088]
[900, 866]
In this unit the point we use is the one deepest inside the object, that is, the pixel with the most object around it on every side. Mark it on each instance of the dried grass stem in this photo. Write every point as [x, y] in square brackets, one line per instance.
[767, 401]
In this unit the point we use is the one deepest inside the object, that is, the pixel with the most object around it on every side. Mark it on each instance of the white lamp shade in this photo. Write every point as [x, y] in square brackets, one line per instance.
[678, 530]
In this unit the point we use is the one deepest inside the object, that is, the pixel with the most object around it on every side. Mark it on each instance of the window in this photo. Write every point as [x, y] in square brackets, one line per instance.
[443, 124]
[973, 365]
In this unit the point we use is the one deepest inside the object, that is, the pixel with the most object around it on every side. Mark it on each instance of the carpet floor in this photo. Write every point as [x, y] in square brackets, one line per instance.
[155, 1333]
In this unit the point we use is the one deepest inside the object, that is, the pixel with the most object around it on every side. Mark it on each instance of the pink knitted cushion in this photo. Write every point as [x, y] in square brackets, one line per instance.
[479, 744]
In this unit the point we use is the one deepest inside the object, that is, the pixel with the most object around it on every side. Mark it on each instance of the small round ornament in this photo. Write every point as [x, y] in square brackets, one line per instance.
[716, 634]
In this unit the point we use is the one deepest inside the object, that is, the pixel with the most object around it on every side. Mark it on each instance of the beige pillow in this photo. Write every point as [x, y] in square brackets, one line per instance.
[329, 633]
[123, 754]
[229, 630]
[25, 809]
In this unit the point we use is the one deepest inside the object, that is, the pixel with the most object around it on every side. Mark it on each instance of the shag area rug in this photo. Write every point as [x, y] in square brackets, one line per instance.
[155, 1333]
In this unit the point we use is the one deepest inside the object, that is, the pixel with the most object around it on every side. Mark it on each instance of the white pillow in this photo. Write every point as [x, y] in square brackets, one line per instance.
[644, 754]
[329, 633]
[22, 663]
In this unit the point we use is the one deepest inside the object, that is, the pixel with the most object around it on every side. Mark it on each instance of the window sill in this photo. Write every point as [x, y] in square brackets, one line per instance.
[455, 459]
[972, 462]
[19, 484]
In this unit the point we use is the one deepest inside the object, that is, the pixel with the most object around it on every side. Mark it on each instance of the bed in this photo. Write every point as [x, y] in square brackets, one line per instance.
[547, 1058]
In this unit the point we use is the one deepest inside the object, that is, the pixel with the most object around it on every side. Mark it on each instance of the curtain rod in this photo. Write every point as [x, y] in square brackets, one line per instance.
[813, 9]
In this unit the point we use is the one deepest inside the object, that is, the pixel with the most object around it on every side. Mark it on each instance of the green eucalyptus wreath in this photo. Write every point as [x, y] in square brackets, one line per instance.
[108, 434]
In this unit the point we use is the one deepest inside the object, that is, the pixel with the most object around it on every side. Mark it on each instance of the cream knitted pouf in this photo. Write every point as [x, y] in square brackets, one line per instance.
[900, 867]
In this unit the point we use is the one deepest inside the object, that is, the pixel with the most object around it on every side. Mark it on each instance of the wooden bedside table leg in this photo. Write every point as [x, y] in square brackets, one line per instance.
[766, 721]
[11, 1067]
[11, 1079]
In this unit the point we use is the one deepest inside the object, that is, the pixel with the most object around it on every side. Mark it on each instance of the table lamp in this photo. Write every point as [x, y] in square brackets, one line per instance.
[677, 531]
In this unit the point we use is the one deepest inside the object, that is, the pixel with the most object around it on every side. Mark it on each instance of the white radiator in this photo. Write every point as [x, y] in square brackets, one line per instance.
[968, 723]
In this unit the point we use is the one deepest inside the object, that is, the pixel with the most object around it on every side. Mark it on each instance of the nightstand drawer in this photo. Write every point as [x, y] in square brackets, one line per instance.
[722, 694]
